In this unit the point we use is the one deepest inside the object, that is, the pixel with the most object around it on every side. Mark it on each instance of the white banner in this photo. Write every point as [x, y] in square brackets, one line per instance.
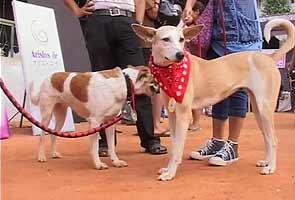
[40, 51]
[281, 63]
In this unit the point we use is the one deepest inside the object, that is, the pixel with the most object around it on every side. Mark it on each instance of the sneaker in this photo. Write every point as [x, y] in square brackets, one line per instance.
[211, 147]
[228, 154]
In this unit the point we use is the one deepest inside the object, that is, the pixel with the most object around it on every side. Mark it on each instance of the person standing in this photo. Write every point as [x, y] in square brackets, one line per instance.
[111, 42]
[236, 28]
[150, 17]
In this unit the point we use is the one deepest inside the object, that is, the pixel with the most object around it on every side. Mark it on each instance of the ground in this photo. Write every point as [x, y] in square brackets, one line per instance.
[74, 178]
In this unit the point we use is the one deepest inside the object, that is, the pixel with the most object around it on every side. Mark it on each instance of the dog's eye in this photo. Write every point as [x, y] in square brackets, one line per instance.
[166, 39]
[181, 40]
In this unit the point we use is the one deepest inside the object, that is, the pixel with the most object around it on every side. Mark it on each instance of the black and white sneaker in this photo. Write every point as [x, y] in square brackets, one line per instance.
[211, 147]
[228, 154]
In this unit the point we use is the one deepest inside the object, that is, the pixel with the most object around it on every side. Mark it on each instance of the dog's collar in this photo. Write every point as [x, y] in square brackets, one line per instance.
[130, 87]
[173, 79]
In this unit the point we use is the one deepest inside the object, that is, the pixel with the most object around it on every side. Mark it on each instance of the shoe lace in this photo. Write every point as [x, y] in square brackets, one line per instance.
[207, 146]
[225, 152]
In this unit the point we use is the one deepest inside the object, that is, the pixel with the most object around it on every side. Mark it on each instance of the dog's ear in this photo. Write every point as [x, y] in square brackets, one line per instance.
[192, 31]
[145, 33]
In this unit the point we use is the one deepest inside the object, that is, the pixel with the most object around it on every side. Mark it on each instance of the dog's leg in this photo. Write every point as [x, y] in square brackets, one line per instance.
[46, 113]
[172, 123]
[183, 116]
[110, 134]
[94, 146]
[60, 113]
[264, 114]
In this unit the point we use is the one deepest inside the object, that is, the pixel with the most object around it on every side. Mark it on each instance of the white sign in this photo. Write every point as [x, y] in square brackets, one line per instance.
[40, 51]
[281, 63]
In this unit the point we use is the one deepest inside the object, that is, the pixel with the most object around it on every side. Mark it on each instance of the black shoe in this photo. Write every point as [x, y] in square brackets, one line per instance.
[228, 154]
[211, 147]
[156, 149]
[103, 152]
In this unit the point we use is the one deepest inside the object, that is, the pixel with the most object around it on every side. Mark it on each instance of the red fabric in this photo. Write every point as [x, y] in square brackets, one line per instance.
[174, 78]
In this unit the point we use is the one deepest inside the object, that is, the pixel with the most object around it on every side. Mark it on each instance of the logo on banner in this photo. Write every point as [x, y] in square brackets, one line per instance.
[39, 32]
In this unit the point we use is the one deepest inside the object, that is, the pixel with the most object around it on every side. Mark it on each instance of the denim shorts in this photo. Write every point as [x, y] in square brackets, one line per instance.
[234, 105]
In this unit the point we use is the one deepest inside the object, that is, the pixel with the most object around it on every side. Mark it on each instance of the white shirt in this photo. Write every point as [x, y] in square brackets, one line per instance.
[121, 4]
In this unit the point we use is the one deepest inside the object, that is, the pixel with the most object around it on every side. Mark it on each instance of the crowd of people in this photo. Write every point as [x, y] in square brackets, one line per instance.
[231, 26]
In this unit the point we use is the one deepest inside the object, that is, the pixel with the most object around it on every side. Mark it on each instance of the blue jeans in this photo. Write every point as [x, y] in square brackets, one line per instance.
[234, 105]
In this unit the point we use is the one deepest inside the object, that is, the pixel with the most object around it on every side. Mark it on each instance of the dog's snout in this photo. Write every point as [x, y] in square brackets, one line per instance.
[179, 55]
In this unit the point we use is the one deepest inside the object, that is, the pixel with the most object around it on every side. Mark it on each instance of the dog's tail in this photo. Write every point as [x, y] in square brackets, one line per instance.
[290, 42]
[33, 98]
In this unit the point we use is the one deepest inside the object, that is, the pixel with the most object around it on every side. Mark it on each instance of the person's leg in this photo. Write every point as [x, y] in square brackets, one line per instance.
[130, 52]
[237, 113]
[196, 117]
[219, 119]
[213, 145]
[158, 104]
[157, 101]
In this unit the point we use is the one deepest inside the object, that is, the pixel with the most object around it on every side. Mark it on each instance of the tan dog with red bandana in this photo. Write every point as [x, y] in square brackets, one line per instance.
[211, 81]
[95, 96]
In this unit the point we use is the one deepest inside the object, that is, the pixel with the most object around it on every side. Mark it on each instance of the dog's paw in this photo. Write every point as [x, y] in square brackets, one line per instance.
[56, 155]
[120, 163]
[41, 158]
[166, 176]
[163, 170]
[267, 170]
[262, 163]
[101, 166]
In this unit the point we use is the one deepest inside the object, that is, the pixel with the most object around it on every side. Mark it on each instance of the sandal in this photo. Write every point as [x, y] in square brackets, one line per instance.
[196, 128]
[165, 133]
[156, 149]
[103, 152]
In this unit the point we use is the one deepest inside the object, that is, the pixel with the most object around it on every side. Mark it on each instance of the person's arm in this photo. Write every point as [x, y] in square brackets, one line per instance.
[87, 9]
[188, 9]
[139, 10]
[152, 11]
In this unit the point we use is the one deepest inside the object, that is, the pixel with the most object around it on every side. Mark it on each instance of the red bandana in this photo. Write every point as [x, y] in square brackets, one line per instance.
[174, 78]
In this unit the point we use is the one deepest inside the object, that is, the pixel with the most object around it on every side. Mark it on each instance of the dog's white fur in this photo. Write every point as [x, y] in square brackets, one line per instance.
[95, 96]
[214, 80]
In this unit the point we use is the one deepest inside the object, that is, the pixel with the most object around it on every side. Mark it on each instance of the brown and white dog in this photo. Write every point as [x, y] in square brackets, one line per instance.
[95, 96]
[214, 80]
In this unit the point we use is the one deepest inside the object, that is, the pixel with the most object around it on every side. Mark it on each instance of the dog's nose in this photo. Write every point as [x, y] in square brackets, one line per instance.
[179, 55]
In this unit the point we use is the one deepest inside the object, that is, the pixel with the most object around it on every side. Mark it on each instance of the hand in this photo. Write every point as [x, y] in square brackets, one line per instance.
[87, 9]
[186, 14]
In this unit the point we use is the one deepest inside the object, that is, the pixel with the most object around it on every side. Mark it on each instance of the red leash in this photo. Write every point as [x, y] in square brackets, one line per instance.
[49, 130]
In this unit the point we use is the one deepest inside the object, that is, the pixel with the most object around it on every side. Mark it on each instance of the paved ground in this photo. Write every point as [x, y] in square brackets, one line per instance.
[73, 176]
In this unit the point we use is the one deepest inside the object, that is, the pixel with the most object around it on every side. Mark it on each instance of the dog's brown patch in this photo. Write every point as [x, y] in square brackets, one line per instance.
[79, 86]
[112, 73]
[144, 72]
[58, 79]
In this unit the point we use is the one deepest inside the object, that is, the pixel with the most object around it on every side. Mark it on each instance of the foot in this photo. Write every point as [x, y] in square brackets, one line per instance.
[164, 133]
[103, 152]
[163, 170]
[156, 149]
[166, 176]
[193, 128]
[120, 163]
[228, 154]
[267, 170]
[262, 163]
[101, 166]
[56, 155]
[210, 148]
[41, 157]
